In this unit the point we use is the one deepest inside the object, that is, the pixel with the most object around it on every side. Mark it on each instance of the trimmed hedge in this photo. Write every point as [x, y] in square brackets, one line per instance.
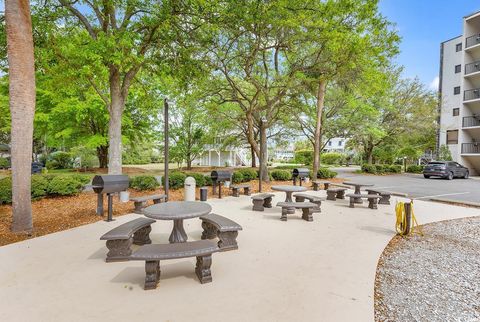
[287, 167]
[332, 158]
[6, 190]
[60, 160]
[394, 168]
[248, 174]
[369, 168]
[237, 177]
[200, 179]
[4, 163]
[39, 186]
[64, 186]
[144, 182]
[381, 168]
[176, 180]
[304, 157]
[415, 168]
[281, 175]
[324, 173]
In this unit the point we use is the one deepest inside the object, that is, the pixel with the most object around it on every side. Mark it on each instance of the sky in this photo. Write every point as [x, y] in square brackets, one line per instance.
[423, 25]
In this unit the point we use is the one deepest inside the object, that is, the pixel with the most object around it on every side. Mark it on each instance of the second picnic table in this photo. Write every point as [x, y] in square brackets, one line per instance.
[357, 186]
[289, 190]
[177, 211]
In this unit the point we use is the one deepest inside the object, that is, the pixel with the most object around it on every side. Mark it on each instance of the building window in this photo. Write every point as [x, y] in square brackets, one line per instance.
[456, 90]
[456, 112]
[340, 143]
[329, 143]
[458, 47]
[452, 137]
[458, 69]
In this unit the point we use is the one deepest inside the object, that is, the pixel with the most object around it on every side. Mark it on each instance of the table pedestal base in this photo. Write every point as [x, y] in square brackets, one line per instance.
[289, 199]
[358, 192]
[178, 234]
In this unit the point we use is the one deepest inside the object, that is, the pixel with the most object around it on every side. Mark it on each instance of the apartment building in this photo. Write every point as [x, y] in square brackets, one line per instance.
[459, 90]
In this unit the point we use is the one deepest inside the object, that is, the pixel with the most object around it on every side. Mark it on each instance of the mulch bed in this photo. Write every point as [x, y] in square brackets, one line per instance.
[60, 213]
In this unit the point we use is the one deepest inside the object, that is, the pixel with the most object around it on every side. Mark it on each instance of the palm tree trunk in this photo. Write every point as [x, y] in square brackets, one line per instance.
[22, 108]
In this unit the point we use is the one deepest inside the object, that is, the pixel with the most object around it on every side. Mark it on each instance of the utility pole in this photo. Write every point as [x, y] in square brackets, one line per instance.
[165, 133]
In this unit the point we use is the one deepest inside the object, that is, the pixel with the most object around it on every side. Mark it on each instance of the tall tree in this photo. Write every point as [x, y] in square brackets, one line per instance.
[338, 39]
[22, 107]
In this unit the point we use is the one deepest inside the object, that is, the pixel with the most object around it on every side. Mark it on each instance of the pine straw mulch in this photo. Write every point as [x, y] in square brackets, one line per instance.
[61, 213]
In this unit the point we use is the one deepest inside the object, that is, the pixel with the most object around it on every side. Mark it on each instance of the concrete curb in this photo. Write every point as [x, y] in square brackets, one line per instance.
[456, 202]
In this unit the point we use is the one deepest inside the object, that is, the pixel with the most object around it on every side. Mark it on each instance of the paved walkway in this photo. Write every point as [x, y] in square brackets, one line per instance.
[284, 271]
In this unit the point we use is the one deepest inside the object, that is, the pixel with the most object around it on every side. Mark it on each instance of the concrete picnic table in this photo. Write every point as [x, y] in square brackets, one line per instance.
[357, 186]
[289, 190]
[177, 211]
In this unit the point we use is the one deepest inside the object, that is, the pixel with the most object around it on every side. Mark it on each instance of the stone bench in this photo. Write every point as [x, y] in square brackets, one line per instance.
[385, 195]
[236, 189]
[225, 229]
[372, 199]
[261, 201]
[153, 254]
[334, 193]
[120, 239]
[301, 197]
[316, 185]
[141, 202]
[308, 209]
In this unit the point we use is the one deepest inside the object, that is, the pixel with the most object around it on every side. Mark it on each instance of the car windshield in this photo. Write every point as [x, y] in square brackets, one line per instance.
[436, 163]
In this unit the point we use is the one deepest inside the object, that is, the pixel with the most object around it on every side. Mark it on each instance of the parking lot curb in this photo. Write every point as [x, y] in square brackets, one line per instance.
[456, 202]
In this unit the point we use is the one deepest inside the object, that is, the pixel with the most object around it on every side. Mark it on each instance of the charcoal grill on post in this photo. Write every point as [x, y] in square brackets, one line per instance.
[300, 174]
[217, 178]
[108, 184]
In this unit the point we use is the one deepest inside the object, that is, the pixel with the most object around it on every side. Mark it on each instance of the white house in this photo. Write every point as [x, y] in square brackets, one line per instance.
[335, 145]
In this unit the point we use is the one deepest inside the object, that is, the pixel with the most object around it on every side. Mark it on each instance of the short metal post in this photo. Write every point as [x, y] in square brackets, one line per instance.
[110, 207]
[100, 204]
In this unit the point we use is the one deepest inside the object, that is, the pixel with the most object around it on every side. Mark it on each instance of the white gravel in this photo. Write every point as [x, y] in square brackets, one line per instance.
[435, 277]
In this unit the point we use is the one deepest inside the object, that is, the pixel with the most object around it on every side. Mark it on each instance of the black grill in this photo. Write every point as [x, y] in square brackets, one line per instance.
[108, 184]
[217, 178]
[300, 174]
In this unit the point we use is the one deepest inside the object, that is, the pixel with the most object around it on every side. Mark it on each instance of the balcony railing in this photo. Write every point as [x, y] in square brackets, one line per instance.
[472, 68]
[470, 121]
[471, 94]
[473, 148]
[472, 41]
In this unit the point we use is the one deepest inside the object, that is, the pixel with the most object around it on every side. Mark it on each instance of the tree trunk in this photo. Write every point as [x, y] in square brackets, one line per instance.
[102, 155]
[22, 108]
[322, 85]
[263, 152]
[254, 157]
[115, 124]
[369, 152]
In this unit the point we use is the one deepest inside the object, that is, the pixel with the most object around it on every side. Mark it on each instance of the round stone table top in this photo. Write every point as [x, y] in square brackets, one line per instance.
[358, 184]
[289, 188]
[177, 210]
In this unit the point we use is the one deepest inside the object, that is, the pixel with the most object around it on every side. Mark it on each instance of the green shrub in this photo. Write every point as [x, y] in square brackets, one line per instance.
[208, 181]
[144, 182]
[332, 158]
[4, 163]
[237, 177]
[60, 160]
[369, 168]
[6, 190]
[39, 186]
[379, 168]
[286, 167]
[415, 168]
[324, 173]
[248, 174]
[83, 178]
[64, 186]
[393, 168]
[176, 180]
[304, 157]
[200, 179]
[281, 175]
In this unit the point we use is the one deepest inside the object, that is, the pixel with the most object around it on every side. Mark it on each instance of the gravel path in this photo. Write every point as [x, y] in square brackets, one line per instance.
[431, 278]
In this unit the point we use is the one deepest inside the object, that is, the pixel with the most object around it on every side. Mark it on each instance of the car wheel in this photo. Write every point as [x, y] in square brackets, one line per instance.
[426, 176]
[467, 174]
[450, 176]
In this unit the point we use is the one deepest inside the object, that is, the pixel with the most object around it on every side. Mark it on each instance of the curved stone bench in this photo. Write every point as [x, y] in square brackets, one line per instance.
[334, 193]
[225, 229]
[308, 209]
[385, 200]
[153, 254]
[301, 197]
[141, 202]
[236, 189]
[372, 199]
[316, 185]
[120, 239]
[261, 201]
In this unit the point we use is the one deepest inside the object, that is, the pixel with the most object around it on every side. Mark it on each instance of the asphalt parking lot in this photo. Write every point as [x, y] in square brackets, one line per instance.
[417, 187]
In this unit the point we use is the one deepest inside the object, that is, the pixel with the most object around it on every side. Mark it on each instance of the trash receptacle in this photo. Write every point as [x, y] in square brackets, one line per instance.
[189, 189]
[203, 193]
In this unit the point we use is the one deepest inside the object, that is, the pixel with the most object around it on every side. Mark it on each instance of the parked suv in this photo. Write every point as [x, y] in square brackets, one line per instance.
[445, 169]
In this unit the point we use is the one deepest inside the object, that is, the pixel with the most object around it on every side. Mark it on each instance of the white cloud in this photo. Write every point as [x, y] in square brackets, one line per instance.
[434, 84]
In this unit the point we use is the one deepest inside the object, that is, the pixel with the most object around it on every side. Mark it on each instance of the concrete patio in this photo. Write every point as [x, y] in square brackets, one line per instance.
[283, 271]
